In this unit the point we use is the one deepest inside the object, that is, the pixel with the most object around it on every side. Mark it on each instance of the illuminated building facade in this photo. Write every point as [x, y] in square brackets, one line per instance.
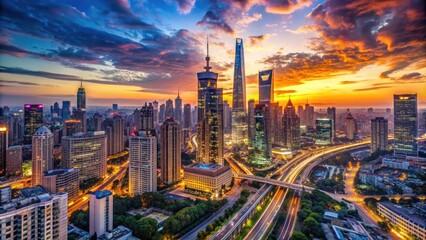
[178, 110]
[71, 127]
[14, 161]
[3, 149]
[142, 163]
[208, 178]
[210, 117]
[81, 97]
[261, 152]
[42, 154]
[405, 125]
[324, 131]
[239, 121]
[87, 152]
[33, 119]
[62, 180]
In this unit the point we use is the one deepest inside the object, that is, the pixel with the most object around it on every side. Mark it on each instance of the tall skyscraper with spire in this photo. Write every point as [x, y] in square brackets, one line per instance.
[210, 116]
[291, 127]
[81, 97]
[239, 121]
[178, 109]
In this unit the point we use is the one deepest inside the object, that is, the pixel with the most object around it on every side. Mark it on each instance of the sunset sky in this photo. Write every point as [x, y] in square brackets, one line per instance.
[334, 53]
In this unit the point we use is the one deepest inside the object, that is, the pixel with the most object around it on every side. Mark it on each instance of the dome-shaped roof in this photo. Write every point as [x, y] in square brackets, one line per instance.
[43, 130]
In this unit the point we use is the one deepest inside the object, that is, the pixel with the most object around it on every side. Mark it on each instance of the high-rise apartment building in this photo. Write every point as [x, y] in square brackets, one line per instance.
[187, 122]
[114, 128]
[405, 125]
[96, 122]
[324, 131]
[14, 161]
[36, 214]
[178, 110]
[137, 120]
[210, 117]
[87, 152]
[239, 121]
[276, 112]
[261, 154]
[33, 119]
[142, 164]
[62, 180]
[81, 97]
[266, 87]
[379, 134]
[170, 151]
[155, 106]
[66, 110]
[291, 127]
[100, 212]
[42, 154]
[3, 148]
[169, 111]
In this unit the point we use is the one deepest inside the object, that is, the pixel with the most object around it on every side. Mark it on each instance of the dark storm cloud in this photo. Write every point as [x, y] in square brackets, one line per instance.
[79, 44]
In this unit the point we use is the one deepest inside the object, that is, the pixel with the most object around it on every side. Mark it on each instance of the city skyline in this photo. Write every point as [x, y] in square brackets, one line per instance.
[356, 55]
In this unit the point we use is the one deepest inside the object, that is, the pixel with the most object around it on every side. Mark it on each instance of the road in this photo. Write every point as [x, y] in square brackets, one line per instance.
[82, 201]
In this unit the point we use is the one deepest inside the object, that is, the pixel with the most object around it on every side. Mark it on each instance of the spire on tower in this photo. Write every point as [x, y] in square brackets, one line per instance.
[207, 67]
[81, 82]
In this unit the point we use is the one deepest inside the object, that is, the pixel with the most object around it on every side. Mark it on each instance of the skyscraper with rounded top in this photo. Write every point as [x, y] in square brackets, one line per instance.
[42, 154]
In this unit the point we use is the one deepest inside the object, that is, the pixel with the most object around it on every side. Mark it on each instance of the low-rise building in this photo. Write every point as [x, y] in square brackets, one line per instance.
[62, 180]
[209, 178]
[402, 218]
[392, 162]
[118, 233]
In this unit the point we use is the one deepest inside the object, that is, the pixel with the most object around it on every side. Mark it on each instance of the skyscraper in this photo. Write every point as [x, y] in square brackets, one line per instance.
[169, 111]
[162, 113]
[178, 109]
[331, 113]
[350, 127]
[379, 134]
[80, 114]
[42, 154]
[210, 117]
[96, 122]
[66, 110]
[81, 97]
[100, 212]
[137, 121]
[309, 115]
[3, 149]
[33, 119]
[87, 152]
[155, 106]
[291, 127]
[114, 128]
[251, 123]
[261, 154]
[170, 151]
[324, 131]
[405, 125]
[147, 117]
[227, 118]
[275, 110]
[187, 122]
[71, 126]
[142, 164]
[266, 87]
[239, 124]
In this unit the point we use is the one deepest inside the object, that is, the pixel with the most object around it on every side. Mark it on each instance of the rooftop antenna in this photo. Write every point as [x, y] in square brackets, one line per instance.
[207, 67]
[81, 82]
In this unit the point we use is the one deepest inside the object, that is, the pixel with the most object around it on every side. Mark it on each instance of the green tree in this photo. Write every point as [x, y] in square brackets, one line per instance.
[298, 236]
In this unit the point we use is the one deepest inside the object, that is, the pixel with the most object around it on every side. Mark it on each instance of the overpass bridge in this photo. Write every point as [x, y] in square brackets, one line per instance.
[297, 187]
